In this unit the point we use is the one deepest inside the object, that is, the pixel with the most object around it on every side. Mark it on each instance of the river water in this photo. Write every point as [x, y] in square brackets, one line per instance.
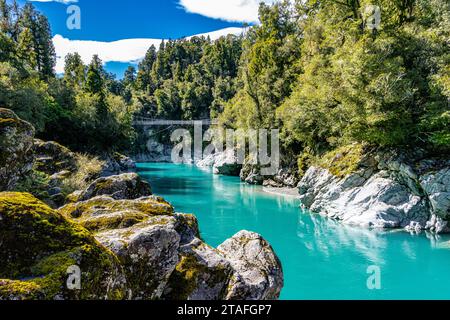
[321, 258]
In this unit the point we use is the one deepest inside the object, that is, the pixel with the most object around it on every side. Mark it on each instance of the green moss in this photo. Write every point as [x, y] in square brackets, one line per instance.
[112, 221]
[36, 183]
[30, 230]
[20, 290]
[39, 244]
[183, 280]
[343, 161]
[84, 210]
[189, 273]
[98, 266]
[4, 123]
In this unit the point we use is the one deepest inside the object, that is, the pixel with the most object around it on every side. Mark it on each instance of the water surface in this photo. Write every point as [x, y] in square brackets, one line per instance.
[322, 258]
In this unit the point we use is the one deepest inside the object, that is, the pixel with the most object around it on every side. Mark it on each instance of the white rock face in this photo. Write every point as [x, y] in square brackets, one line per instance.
[437, 188]
[225, 163]
[390, 196]
[257, 271]
[207, 162]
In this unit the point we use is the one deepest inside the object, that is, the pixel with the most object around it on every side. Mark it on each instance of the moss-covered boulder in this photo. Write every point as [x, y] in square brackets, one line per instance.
[37, 247]
[149, 253]
[16, 154]
[117, 163]
[124, 186]
[201, 274]
[51, 157]
[144, 233]
[125, 249]
[105, 213]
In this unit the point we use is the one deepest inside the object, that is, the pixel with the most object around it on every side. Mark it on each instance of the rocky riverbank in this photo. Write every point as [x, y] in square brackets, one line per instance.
[227, 163]
[125, 242]
[386, 190]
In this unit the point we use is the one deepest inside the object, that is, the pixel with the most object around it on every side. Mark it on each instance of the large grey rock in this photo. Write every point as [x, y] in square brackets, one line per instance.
[16, 154]
[116, 164]
[202, 274]
[437, 188]
[257, 271]
[207, 161]
[51, 157]
[149, 253]
[37, 248]
[377, 201]
[124, 186]
[393, 193]
[143, 233]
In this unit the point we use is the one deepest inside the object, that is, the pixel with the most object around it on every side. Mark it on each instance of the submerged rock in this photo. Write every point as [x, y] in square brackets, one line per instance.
[16, 154]
[124, 186]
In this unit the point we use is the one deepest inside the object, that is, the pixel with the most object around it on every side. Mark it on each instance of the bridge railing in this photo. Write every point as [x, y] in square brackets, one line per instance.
[162, 122]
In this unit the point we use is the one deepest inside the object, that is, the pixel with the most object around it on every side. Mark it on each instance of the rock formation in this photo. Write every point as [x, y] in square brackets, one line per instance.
[16, 154]
[389, 190]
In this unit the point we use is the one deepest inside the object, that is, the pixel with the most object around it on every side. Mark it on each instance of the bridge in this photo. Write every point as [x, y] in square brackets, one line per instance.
[159, 122]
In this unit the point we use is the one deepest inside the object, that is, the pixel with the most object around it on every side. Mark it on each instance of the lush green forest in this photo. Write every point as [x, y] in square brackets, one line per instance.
[314, 69]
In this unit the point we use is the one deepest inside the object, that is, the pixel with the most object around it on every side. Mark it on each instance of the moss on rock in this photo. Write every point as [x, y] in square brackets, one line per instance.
[51, 157]
[343, 161]
[16, 155]
[37, 245]
[104, 213]
[202, 273]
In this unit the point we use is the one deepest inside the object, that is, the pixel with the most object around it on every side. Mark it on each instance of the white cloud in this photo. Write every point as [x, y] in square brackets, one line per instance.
[230, 10]
[61, 1]
[128, 50]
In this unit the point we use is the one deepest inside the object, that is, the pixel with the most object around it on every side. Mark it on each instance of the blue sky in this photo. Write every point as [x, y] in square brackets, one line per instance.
[106, 23]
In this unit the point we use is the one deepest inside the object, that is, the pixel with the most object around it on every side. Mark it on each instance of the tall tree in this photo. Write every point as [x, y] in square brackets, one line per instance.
[144, 80]
[94, 78]
[45, 49]
[74, 70]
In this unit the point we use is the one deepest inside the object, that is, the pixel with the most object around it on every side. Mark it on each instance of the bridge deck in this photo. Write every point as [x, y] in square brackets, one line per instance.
[154, 122]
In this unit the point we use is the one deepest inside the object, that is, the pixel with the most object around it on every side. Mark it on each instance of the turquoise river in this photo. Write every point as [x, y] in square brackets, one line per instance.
[322, 258]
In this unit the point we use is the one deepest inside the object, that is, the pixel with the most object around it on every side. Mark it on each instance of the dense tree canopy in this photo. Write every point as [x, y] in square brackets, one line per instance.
[320, 71]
